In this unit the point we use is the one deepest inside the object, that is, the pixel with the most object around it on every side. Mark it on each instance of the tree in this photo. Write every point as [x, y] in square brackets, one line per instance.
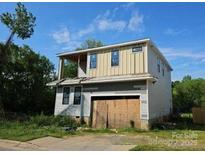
[90, 43]
[20, 23]
[188, 93]
[186, 78]
[25, 81]
[70, 68]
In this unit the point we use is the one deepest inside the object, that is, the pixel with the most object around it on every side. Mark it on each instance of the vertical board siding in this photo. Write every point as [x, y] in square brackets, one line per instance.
[129, 63]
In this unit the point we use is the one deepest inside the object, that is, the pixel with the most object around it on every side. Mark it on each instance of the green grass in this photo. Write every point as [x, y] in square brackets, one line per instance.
[25, 131]
[36, 127]
[41, 126]
[148, 147]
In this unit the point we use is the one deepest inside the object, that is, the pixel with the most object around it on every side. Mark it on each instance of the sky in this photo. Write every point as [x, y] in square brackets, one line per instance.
[178, 29]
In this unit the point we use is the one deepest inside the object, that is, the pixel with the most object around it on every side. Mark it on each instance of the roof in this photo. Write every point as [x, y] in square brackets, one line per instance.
[89, 80]
[103, 47]
[146, 40]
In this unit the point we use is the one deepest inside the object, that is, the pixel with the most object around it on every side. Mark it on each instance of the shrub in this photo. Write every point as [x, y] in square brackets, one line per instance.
[42, 120]
[65, 121]
[62, 121]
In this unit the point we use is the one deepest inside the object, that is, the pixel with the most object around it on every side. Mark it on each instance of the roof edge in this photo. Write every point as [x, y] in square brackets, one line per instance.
[103, 47]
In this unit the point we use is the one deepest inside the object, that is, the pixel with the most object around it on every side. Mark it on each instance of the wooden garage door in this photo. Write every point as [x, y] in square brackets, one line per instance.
[116, 113]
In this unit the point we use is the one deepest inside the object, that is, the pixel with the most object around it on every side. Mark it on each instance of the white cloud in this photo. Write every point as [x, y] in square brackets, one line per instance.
[174, 32]
[61, 36]
[175, 53]
[109, 24]
[136, 22]
[86, 31]
[128, 5]
[107, 21]
[72, 45]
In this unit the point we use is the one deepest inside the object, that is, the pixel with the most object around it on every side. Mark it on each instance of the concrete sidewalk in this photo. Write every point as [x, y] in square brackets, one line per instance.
[75, 143]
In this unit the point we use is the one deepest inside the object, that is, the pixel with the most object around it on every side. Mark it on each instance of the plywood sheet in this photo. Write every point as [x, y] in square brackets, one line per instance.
[116, 113]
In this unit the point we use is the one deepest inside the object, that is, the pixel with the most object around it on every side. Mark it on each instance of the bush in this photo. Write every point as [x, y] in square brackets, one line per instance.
[65, 121]
[62, 121]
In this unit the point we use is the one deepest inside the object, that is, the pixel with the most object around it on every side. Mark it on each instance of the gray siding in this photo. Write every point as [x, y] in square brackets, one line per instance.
[102, 89]
[160, 97]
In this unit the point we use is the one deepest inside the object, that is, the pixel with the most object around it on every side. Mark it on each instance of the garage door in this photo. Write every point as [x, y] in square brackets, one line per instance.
[116, 112]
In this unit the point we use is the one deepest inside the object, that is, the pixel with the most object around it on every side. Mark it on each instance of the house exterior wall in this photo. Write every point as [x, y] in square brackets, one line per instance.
[129, 62]
[160, 96]
[155, 97]
[101, 89]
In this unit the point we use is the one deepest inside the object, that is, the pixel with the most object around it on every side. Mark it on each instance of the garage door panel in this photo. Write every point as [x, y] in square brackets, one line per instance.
[111, 113]
[116, 113]
[134, 112]
[100, 114]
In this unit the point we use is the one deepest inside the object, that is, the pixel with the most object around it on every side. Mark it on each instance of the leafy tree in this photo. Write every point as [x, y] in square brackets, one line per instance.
[188, 93]
[25, 81]
[20, 23]
[90, 43]
[70, 68]
[187, 78]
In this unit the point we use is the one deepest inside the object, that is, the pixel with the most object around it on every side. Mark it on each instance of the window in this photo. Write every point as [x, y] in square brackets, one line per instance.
[115, 58]
[66, 94]
[163, 69]
[158, 64]
[77, 95]
[93, 60]
[137, 49]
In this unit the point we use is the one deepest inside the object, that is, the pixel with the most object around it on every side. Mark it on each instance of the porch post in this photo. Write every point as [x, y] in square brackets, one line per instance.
[60, 68]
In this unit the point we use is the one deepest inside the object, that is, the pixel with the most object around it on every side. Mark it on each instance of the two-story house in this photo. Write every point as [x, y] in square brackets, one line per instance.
[120, 85]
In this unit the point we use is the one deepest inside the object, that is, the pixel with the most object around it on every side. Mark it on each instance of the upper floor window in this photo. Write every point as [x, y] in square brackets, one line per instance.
[66, 95]
[137, 49]
[158, 64]
[93, 60]
[115, 58]
[77, 95]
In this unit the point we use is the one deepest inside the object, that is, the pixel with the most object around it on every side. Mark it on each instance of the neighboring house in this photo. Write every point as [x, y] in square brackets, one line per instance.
[121, 85]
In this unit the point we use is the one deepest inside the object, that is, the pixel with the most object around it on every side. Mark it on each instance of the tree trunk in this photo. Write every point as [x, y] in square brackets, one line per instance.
[9, 39]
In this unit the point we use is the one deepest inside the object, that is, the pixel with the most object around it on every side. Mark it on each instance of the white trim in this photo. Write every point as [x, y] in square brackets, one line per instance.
[80, 94]
[107, 94]
[147, 82]
[69, 102]
[59, 68]
[88, 65]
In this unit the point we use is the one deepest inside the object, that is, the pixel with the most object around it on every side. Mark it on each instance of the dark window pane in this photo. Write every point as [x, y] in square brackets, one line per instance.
[77, 95]
[158, 65]
[115, 58]
[66, 95]
[93, 60]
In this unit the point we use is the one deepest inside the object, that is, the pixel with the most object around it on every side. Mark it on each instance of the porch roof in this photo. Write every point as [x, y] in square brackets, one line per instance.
[88, 80]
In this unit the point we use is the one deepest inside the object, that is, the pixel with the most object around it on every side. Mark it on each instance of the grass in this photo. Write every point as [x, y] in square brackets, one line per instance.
[35, 127]
[41, 126]
[163, 148]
